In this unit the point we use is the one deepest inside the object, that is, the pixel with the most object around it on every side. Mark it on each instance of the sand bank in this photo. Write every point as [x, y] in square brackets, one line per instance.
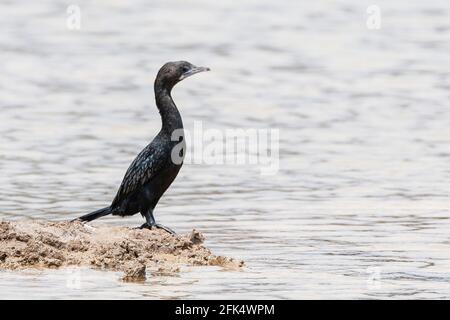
[48, 244]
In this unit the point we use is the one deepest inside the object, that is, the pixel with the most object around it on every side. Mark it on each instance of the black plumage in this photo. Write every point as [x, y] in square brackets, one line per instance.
[157, 165]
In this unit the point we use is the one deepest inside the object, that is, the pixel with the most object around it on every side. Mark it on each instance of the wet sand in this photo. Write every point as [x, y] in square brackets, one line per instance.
[48, 244]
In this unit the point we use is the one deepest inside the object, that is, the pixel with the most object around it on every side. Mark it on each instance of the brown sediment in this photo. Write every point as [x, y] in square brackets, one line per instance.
[46, 244]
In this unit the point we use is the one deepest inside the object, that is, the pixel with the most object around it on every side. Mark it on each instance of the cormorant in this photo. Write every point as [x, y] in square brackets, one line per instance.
[157, 165]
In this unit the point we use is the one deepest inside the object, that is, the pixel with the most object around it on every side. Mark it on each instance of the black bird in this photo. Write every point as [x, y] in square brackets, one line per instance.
[157, 165]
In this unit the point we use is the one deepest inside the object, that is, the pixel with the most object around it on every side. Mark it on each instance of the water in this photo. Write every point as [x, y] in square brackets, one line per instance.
[360, 205]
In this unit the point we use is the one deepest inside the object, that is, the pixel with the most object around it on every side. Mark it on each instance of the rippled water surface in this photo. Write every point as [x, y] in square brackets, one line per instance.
[360, 205]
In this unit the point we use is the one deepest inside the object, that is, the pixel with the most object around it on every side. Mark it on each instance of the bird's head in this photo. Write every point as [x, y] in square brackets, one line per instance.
[173, 72]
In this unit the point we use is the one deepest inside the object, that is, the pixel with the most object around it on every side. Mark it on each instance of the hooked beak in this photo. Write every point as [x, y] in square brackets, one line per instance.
[193, 71]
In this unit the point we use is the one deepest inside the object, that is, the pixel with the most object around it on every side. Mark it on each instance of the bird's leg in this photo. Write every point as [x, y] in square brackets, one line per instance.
[150, 222]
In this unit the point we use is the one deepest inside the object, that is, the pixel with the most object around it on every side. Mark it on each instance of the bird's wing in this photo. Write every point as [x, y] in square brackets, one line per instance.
[143, 168]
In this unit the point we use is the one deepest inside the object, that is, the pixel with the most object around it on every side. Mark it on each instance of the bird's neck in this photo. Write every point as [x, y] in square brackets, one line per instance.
[170, 116]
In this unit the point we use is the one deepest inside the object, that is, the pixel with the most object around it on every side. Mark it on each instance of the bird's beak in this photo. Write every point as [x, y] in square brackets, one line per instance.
[192, 71]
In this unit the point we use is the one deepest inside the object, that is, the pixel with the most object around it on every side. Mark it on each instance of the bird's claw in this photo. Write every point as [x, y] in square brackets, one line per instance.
[167, 229]
[156, 225]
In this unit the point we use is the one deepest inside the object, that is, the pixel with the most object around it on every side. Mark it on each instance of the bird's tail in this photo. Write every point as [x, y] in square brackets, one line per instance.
[96, 214]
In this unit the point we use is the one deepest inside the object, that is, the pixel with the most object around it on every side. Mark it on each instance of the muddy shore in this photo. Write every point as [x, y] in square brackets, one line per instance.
[48, 244]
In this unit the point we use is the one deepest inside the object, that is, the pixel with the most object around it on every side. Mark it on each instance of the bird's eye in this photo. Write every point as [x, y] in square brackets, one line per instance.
[185, 69]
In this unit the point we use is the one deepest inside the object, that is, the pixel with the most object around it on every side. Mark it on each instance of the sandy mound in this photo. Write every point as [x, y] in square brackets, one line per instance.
[45, 244]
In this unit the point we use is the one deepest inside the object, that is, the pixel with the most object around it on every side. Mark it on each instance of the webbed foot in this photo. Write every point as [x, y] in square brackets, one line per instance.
[156, 225]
